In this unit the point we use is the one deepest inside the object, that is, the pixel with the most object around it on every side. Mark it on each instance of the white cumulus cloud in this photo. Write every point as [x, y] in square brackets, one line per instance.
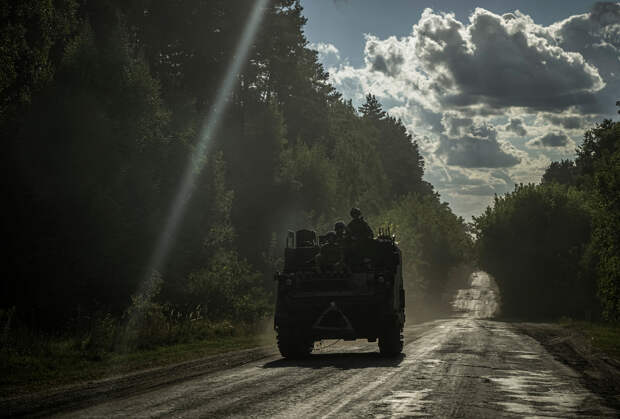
[492, 99]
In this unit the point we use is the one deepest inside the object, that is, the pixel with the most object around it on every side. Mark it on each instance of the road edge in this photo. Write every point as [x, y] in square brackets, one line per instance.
[597, 372]
[75, 396]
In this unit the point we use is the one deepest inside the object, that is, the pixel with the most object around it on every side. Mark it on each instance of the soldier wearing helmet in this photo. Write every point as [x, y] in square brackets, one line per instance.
[358, 228]
[342, 235]
[330, 257]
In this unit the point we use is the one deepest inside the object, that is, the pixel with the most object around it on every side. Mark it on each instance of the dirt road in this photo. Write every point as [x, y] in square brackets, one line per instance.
[450, 368]
[460, 367]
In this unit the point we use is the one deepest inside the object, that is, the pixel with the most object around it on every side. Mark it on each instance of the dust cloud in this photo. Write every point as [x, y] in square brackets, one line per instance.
[262, 332]
[481, 300]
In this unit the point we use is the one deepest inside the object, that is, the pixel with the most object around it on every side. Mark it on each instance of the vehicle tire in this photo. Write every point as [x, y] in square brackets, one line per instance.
[391, 340]
[294, 346]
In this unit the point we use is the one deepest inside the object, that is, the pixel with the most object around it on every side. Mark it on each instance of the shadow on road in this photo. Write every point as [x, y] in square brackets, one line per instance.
[344, 361]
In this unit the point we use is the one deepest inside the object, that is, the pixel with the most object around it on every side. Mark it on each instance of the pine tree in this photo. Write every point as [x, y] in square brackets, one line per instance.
[372, 108]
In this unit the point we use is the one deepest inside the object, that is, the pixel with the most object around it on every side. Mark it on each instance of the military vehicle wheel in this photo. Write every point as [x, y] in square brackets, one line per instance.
[391, 341]
[294, 346]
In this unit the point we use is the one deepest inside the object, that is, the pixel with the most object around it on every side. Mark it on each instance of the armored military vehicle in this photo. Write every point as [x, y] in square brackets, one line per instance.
[339, 290]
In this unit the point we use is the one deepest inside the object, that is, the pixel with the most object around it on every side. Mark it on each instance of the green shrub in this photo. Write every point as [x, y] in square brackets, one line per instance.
[532, 241]
[433, 240]
[229, 290]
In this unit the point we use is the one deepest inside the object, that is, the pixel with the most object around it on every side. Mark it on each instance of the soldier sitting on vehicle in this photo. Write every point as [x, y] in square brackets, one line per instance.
[331, 257]
[361, 243]
[358, 228]
[343, 239]
[342, 235]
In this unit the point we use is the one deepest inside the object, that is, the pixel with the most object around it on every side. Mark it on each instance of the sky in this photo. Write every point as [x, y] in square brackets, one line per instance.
[492, 91]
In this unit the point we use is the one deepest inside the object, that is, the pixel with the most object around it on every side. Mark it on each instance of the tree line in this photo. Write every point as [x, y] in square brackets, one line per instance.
[102, 105]
[554, 247]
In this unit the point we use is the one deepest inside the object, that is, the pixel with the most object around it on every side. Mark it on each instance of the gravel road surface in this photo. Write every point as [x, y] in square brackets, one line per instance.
[466, 367]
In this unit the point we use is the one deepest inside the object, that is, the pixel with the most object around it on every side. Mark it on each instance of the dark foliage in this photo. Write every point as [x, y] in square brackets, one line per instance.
[531, 241]
[102, 103]
[563, 172]
[555, 248]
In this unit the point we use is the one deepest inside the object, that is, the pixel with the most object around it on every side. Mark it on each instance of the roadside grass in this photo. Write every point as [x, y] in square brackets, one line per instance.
[54, 362]
[604, 337]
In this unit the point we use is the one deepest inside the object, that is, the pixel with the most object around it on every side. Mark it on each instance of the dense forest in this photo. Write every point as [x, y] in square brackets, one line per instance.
[103, 104]
[554, 248]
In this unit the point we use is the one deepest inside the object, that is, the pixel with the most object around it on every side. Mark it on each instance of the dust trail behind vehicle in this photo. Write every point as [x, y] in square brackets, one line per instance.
[482, 300]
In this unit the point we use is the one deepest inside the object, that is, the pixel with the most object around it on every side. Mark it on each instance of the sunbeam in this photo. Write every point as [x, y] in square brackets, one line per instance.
[198, 158]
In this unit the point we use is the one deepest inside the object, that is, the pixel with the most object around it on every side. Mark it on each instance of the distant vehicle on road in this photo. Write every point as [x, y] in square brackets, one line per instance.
[329, 289]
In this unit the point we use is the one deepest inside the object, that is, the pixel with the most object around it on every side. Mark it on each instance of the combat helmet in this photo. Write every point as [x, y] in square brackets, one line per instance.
[331, 236]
